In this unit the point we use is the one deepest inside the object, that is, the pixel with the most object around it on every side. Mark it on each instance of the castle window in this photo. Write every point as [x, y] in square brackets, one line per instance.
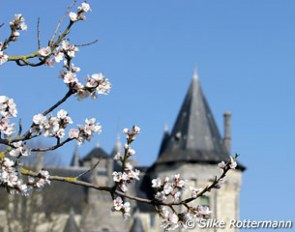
[204, 200]
[152, 220]
[193, 182]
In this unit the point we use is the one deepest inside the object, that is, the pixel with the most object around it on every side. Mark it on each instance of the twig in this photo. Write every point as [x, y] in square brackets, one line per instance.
[38, 33]
[20, 128]
[89, 170]
[68, 94]
[53, 147]
[86, 44]
[57, 104]
[60, 21]
[27, 135]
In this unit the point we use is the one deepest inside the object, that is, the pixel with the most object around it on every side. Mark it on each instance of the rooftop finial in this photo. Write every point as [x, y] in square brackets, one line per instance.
[166, 128]
[97, 145]
[195, 76]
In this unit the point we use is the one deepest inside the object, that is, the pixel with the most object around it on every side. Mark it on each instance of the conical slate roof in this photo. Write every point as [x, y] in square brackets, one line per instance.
[71, 225]
[165, 139]
[195, 136]
[96, 152]
[75, 162]
[137, 225]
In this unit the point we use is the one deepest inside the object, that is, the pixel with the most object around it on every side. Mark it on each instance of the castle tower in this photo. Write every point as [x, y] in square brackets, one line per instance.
[194, 148]
[75, 162]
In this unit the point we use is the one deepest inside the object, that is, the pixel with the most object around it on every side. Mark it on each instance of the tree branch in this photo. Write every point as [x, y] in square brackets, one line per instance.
[53, 147]
[112, 190]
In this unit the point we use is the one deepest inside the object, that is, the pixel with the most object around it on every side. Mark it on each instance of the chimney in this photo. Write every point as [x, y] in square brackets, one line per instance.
[227, 131]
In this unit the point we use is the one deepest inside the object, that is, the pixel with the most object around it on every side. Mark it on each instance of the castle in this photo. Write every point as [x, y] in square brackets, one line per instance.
[193, 149]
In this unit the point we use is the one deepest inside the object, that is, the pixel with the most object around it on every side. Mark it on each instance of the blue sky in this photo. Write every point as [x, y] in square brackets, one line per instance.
[245, 53]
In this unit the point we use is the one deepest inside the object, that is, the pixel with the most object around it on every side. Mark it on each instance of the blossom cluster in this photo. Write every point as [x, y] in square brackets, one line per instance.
[19, 149]
[126, 177]
[65, 49]
[7, 111]
[16, 25]
[41, 180]
[128, 173]
[95, 84]
[173, 189]
[55, 126]
[3, 56]
[171, 220]
[119, 205]
[51, 126]
[232, 164]
[85, 132]
[169, 188]
[85, 7]
[12, 180]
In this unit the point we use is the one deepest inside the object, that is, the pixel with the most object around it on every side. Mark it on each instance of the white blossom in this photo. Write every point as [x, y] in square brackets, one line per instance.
[131, 151]
[6, 128]
[45, 51]
[118, 156]
[7, 107]
[39, 119]
[126, 131]
[18, 23]
[98, 84]
[60, 133]
[16, 34]
[233, 163]
[117, 176]
[194, 191]
[69, 77]
[74, 133]
[123, 187]
[64, 118]
[222, 165]
[73, 16]
[91, 125]
[58, 56]
[170, 221]
[203, 211]
[126, 210]
[136, 129]
[20, 149]
[85, 7]
[168, 188]
[68, 49]
[3, 58]
[156, 183]
[86, 132]
[134, 174]
[118, 203]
